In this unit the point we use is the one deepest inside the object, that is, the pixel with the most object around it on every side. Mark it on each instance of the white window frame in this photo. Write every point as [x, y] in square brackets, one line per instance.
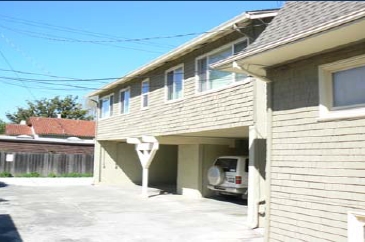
[326, 109]
[206, 55]
[174, 86]
[110, 106]
[355, 226]
[120, 101]
[145, 94]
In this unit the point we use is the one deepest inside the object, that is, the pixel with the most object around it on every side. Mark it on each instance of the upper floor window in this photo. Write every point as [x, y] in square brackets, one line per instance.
[211, 79]
[342, 88]
[145, 89]
[106, 106]
[174, 83]
[349, 87]
[124, 100]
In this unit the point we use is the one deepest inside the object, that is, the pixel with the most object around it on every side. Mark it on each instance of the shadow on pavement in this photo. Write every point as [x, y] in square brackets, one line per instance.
[229, 199]
[3, 184]
[8, 230]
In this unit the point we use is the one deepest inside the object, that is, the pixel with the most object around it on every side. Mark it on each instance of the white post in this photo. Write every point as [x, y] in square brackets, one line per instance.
[145, 182]
[146, 150]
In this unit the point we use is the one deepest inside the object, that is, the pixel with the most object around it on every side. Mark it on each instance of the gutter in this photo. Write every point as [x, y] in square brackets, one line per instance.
[238, 67]
[326, 26]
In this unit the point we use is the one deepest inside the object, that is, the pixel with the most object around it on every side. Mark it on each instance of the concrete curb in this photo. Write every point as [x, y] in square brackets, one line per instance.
[64, 181]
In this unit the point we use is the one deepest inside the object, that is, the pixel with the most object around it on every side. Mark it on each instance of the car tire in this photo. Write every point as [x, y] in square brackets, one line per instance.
[215, 175]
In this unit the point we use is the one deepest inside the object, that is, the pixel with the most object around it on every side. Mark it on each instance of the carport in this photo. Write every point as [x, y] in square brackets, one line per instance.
[183, 158]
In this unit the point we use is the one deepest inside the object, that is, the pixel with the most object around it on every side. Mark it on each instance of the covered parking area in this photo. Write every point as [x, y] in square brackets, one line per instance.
[183, 158]
[182, 161]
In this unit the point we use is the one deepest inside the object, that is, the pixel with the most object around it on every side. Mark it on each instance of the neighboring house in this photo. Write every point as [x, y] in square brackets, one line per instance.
[38, 127]
[48, 145]
[313, 55]
[195, 113]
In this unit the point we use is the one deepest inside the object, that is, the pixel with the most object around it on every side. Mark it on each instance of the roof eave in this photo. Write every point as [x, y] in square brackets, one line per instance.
[329, 36]
[189, 46]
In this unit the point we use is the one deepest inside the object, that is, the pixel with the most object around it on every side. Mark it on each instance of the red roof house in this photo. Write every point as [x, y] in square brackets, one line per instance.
[18, 129]
[53, 127]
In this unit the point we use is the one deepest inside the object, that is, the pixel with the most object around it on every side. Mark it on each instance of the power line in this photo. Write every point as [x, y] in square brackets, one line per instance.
[65, 39]
[37, 74]
[68, 29]
[77, 41]
[8, 63]
[82, 87]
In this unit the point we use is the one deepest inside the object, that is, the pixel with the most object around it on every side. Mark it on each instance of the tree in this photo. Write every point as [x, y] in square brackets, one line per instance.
[68, 108]
[2, 126]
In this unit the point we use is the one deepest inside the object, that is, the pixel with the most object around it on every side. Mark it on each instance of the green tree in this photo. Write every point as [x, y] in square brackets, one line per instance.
[68, 108]
[2, 126]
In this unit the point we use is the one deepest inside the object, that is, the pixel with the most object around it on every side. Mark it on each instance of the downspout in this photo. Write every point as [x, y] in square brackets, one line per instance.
[268, 150]
[96, 139]
[268, 161]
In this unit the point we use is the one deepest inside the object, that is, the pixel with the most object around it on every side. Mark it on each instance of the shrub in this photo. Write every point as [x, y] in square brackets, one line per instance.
[32, 174]
[5, 174]
[74, 174]
[52, 175]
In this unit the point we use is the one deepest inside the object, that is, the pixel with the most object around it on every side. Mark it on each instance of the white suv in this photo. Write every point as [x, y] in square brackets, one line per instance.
[229, 175]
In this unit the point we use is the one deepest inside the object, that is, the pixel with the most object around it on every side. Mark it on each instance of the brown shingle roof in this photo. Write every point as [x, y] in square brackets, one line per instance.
[18, 129]
[300, 16]
[62, 127]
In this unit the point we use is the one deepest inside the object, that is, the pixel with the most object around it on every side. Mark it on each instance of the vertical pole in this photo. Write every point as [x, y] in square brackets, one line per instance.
[253, 181]
[145, 182]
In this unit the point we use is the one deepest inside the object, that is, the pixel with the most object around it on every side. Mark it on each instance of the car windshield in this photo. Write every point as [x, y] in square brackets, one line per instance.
[227, 164]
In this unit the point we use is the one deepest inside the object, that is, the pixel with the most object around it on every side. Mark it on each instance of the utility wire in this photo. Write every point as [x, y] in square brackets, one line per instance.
[67, 39]
[114, 39]
[37, 74]
[68, 29]
[8, 63]
[77, 41]
[83, 87]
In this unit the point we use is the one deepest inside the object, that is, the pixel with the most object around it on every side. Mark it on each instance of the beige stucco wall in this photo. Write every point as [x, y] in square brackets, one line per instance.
[189, 181]
[163, 169]
[120, 164]
[317, 166]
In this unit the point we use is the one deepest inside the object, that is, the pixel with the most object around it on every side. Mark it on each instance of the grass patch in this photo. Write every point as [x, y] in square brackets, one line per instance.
[32, 174]
[6, 174]
[76, 175]
[50, 175]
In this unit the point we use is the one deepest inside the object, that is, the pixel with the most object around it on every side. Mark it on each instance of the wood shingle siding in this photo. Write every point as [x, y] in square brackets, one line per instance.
[318, 167]
[228, 107]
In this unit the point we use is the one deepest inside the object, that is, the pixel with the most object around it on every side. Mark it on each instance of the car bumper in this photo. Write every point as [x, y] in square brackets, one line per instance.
[230, 190]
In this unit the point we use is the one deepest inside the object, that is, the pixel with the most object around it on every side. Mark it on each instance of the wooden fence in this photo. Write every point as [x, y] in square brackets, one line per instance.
[46, 163]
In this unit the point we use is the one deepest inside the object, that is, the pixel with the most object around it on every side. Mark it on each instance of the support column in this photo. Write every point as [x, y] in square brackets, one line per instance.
[145, 182]
[257, 156]
[253, 182]
[146, 149]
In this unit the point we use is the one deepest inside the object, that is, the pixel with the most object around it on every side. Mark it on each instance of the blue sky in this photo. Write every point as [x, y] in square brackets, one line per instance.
[48, 38]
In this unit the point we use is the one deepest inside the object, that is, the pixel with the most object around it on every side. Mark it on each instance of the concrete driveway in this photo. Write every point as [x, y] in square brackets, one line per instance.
[108, 213]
